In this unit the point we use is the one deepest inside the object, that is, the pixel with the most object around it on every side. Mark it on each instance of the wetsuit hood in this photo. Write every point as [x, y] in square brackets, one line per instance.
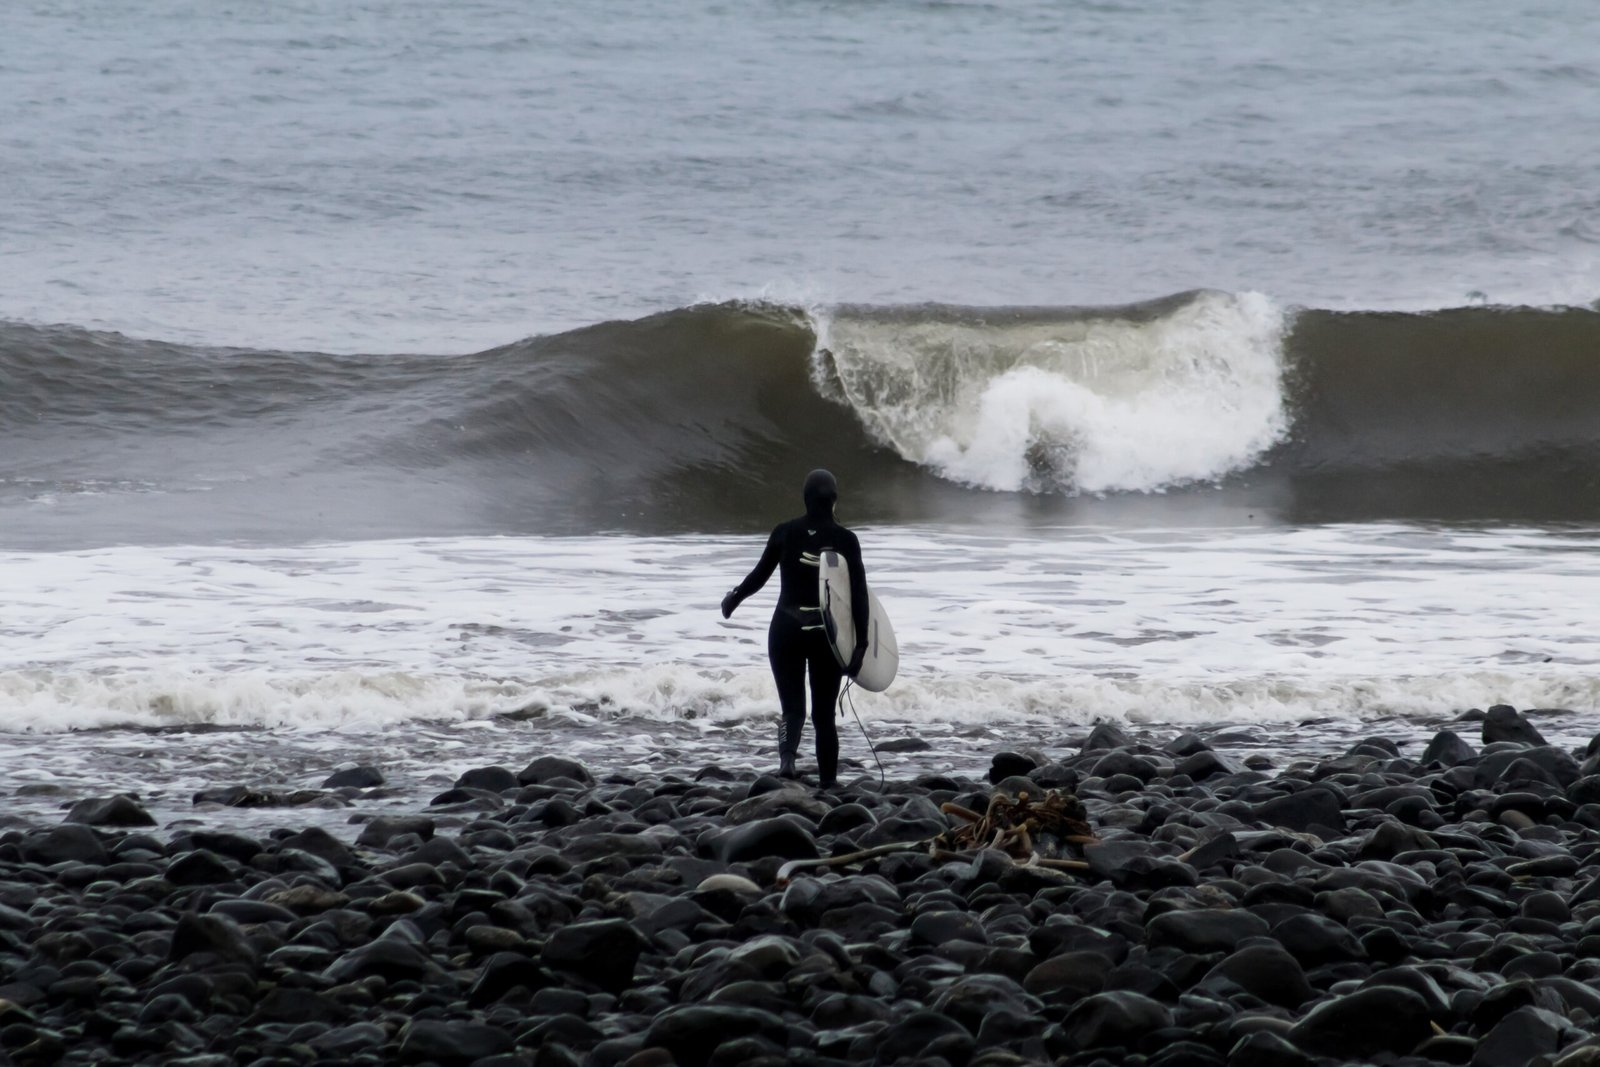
[821, 494]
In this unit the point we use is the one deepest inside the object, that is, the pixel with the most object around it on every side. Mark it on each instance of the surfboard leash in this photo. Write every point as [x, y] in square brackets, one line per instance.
[844, 696]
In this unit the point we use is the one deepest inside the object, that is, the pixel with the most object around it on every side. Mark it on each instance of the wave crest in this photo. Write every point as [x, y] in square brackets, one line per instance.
[1064, 400]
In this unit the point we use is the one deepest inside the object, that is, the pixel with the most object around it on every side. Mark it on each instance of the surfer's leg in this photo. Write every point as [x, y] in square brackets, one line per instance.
[786, 654]
[825, 680]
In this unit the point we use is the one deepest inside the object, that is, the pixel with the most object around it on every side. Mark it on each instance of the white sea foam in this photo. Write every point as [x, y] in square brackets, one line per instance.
[1066, 625]
[1091, 405]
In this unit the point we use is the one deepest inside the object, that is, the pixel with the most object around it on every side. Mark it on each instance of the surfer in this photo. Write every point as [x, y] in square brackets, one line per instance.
[797, 640]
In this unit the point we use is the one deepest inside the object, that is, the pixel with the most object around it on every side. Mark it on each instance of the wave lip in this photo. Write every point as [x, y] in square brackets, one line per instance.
[1047, 400]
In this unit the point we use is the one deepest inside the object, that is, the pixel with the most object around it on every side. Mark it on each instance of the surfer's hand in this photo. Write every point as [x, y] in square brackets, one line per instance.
[855, 662]
[730, 602]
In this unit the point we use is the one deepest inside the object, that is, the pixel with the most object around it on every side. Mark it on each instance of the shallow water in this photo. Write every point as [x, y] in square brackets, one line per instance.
[427, 658]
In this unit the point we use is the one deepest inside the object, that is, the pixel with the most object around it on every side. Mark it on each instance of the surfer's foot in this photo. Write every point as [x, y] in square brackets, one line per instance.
[827, 783]
[786, 767]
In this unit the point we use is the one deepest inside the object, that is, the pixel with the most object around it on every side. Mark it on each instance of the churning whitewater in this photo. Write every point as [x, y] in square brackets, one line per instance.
[1056, 625]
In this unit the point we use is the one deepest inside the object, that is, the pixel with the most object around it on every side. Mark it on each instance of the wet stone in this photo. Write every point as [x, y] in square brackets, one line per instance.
[1010, 764]
[490, 779]
[1504, 723]
[446, 1041]
[1116, 1020]
[362, 777]
[546, 769]
[781, 836]
[1205, 930]
[383, 830]
[119, 810]
[1369, 1021]
[1305, 811]
[603, 951]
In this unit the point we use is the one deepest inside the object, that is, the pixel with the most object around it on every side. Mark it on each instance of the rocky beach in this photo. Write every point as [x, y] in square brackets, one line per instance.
[1411, 899]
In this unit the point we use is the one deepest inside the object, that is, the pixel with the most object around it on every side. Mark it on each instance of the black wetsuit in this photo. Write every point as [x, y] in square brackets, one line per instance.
[796, 639]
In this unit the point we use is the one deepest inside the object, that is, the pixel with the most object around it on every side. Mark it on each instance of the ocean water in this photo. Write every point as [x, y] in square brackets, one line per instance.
[381, 380]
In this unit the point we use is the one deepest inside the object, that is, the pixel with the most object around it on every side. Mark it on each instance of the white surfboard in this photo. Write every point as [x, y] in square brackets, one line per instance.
[882, 660]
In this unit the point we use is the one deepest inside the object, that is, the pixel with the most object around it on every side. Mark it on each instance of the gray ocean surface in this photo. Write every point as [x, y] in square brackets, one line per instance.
[371, 176]
[370, 363]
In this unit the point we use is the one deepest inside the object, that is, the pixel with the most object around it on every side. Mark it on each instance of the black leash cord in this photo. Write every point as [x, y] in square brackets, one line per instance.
[845, 695]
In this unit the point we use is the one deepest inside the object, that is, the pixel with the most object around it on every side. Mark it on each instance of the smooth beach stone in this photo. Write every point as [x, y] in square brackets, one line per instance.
[413, 876]
[1519, 1037]
[494, 779]
[253, 911]
[72, 842]
[1557, 764]
[917, 1034]
[1503, 723]
[969, 999]
[1314, 939]
[1009, 765]
[1205, 930]
[1017, 785]
[1018, 1034]
[200, 867]
[1266, 1049]
[347, 1041]
[1061, 933]
[318, 842]
[1107, 858]
[1348, 902]
[941, 927]
[379, 832]
[451, 1041]
[1186, 744]
[308, 900]
[1390, 839]
[119, 810]
[216, 934]
[391, 958]
[1071, 974]
[504, 972]
[692, 1033]
[1140, 768]
[1447, 749]
[285, 1004]
[783, 836]
[1376, 1019]
[604, 951]
[1303, 811]
[904, 744]
[899, 827]
[861, 922]
[766, 955]
[845, 817]
[1265, 971]
[362, 777]
[1420, 983]
[1215, 850]
[1105, 736]
[1056, 776]
[546, 769]
[1119, 1019]
[1204, 764]
[793, 798]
